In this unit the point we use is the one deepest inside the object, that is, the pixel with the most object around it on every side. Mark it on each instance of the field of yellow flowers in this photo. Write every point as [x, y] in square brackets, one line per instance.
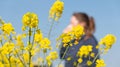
[15, 52]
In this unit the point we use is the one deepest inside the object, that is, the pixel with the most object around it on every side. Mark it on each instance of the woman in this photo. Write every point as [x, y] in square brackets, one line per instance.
[87, 39]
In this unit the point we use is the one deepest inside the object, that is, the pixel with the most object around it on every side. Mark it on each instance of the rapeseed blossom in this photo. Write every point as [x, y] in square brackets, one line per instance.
[45, 44]
[107, 41]
[100, 63]
[19, 41]
[80, 60]
[7, 48]
[77, 31]
[75, 34]
[7, 28]
[56, 10]
[84, 51]
[89, 63]
[30, 19]
[14, 51]
[66, 38]
[51, 57]
[38, 37]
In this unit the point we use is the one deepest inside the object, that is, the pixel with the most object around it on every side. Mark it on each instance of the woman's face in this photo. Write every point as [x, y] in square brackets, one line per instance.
[74, 22]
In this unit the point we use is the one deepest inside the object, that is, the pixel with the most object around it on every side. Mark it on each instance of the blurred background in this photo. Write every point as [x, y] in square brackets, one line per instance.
[105, 12]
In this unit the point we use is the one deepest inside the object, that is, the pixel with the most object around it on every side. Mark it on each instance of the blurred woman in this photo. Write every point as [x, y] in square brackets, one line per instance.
[88, 39]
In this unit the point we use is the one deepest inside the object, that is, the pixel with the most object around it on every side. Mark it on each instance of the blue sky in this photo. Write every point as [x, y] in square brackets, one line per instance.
[105, 12]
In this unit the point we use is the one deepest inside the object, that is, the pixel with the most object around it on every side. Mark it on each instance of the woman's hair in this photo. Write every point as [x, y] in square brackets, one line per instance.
[89, 21]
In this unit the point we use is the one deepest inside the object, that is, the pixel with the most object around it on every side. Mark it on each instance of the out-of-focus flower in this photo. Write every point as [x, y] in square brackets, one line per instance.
[7, 48]
[89, 63]
[7, 28]
[69, 58]
[38, 37]
[54, 55]
[30, 19]
[51, 57]
[56, 10]
[48, 59]
[77, 31]
[84, 51]
[26, 57]
[92, 55]
[19, 41]
[66, 38]
[108, 41]
[80, 60]
[1, 64]
[100, 63]
[45, 43]
[76, 34]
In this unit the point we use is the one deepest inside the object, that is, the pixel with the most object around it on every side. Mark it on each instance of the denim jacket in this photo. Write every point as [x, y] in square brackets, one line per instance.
[72, 52]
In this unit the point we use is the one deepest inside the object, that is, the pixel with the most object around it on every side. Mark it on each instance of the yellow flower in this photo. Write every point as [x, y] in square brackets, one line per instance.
[19, 41]
[54, 55]
[92, 55]
[69, 58]
[76, 34]
[12, 60]
[100, 63]
[89, 63]
[48, 59]
[51, 57]
[56, 10]
[38, 37]
[66, 38]
[80, 60]
[30, 19]
[7, 28]
[1, 64]
[45, 43]
[108, 41]
[78, 31]
[7, 48]
[84, 50]
[26, 57]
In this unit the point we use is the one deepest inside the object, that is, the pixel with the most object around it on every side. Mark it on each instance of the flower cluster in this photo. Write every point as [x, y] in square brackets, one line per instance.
[19, 50]
[30, 19]
[56, 10]
[75, 34]
[104, 45]
[7, 28]
[107, 42]
[100, 63]
[38, 37]
[51, 57]
[84, 51]
[45, 44]
[77, 31]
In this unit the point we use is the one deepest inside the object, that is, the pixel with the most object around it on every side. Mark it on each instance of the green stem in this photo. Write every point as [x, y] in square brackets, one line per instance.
[9, 60]
[64, 55]
[20, 59]
[49, 33]
[1, 42]
[30, 55]
[33, 38]
[29, 50]
[96, 56]
[2, 59]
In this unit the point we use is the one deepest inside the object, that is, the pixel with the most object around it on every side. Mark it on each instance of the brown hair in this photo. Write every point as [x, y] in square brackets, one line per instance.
[90, 24]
